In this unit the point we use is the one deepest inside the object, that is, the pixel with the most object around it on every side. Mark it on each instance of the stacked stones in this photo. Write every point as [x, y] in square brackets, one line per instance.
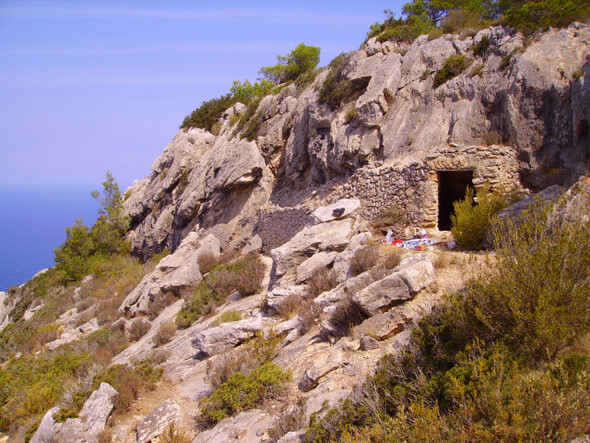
[278, 225]
[414, 188]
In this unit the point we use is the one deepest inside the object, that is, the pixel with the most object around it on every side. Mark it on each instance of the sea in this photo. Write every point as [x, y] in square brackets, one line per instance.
[33, 220]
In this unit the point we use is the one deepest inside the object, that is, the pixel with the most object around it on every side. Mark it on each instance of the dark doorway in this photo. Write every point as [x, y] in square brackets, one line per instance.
[452, 186]
[583, 134]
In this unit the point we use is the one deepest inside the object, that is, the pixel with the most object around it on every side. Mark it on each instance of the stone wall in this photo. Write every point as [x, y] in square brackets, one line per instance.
[278, 225]
[414, 188]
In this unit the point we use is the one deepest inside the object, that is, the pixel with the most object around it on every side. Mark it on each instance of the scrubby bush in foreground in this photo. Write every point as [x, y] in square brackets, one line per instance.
[506, 359]
[471, 221]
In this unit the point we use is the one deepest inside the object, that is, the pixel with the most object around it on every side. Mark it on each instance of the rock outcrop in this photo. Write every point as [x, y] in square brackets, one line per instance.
[302, 193]
[220, 184]
[90, 422]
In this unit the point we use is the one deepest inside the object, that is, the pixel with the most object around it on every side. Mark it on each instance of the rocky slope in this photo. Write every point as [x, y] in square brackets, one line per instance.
[281, 195]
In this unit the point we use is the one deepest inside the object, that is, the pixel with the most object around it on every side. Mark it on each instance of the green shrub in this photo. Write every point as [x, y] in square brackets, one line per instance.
[242, 392]
[481, 47]
[182, 184]
[243, 276]
[453, 66]
[405, 29]
[301, 60]
[336, 86]
[577, 75]
[31, 386]
[529, 16]
[227, 317]
[202, 302]
[471, 222]
[246, 92]
[250, 121]
[83, 246]
[206, 115]
[261, 349]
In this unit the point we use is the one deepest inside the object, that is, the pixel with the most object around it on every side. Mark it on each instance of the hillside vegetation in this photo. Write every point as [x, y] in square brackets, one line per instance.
[455, 16]
[505, 359]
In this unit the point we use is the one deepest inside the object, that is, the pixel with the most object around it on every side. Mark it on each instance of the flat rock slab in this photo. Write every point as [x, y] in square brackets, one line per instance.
[156, 421]
[325, 236]
[400, 286]
[225, 336]
[317, 261]
[382, 294]
[246, 427]
[341, 209]
[320, 367]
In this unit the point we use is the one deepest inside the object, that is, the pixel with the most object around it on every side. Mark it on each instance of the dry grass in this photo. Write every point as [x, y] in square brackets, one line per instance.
[346, 315]
[173, 434]
[165, 333]
[244, 276]
[309, 312]
[138, 328]
[292, 419]
[365, 258]
[207, 261]
[390, 257]
[321, 281]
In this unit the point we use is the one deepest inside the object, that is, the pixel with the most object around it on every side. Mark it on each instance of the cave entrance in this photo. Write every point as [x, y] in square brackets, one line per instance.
[452, 186]
[583, 134]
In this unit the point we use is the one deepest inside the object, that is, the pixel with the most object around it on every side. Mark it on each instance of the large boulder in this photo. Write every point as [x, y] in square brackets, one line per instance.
[157, 421]
[409, 278]
[175, 272]
[90, 422]
[332, 236]
[225, 336]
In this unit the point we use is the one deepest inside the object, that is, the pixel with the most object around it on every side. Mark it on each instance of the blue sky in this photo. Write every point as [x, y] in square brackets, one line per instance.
[91, 86]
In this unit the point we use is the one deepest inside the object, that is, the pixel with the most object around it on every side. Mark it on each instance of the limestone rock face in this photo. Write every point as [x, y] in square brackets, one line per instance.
[5, 308]
[157, 420]
[218, 183]
[248, 427]
[91, 420]
[409, 279]
[174, 272]
[226, 335]
[325, 236]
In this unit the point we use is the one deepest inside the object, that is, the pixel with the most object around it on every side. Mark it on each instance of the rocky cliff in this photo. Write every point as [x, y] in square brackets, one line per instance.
[528, 93]
[331, 300]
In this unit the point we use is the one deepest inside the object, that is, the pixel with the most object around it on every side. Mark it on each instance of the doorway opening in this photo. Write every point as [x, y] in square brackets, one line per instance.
[452, 186]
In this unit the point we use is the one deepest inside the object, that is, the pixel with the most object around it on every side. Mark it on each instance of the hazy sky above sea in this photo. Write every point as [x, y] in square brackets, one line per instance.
[91, 86]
